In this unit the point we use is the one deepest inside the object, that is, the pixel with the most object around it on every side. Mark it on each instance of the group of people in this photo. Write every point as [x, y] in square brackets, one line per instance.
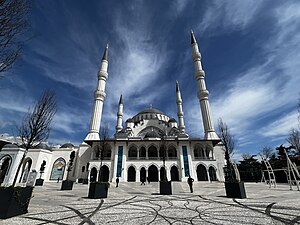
[143, 180]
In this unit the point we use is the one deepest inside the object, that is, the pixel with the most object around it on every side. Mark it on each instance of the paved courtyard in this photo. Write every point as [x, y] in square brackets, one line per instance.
[134, 204]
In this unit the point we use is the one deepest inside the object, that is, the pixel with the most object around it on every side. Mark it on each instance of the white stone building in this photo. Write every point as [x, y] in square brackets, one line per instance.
[137, 150]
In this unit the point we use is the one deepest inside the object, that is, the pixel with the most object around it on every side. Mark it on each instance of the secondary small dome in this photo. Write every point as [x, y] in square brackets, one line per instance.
[67, 145]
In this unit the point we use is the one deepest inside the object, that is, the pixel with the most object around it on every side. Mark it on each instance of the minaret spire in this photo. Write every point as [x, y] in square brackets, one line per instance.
[99, 97]
[203, 93]
[119, 126]
[181, 126]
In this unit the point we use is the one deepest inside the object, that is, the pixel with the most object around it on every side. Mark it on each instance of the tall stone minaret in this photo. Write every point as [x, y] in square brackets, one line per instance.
[119, 126]
[181, 126]
[99, 97]
[202, 92]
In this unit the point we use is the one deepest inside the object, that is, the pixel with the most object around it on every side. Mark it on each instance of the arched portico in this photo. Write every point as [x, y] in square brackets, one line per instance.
[202, 173]
[131, 177]
[153, 173]
[174, 173]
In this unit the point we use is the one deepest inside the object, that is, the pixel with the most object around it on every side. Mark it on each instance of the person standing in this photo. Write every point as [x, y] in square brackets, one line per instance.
[143, 181]
[190, 183]
[117, 181]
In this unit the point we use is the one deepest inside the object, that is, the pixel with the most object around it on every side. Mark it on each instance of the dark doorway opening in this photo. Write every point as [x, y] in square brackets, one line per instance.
[174, 173]
[131, 174]
[163, 174]
[104, 174]
[153, 173]
[201, 173]
[142, 174]
[93, 175]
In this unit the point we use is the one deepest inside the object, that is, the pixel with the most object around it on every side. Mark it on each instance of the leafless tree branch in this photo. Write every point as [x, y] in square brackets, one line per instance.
[36, 125]
[13, 23]
[267, 152]
[294, 140]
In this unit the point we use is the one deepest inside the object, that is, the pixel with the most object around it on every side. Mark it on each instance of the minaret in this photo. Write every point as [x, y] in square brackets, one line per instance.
[119, 126]
[99, 97]
[181, 126]
[202, 92]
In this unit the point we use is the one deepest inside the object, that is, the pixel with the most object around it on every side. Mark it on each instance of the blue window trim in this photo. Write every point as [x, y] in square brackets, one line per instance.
[119, 164]
[185, 161]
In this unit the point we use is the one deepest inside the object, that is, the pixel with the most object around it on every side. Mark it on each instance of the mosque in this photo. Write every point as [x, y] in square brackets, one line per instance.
[150, 145]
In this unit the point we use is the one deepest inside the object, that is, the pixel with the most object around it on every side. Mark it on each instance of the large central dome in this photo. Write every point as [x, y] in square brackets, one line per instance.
[149, 114]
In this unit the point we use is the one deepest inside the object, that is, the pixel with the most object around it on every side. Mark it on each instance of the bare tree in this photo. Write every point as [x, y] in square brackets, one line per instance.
[228, 143]
[36, 125]
[104, 137]
[247, 156]
[266, 152]
[14, 22]
[294, 140]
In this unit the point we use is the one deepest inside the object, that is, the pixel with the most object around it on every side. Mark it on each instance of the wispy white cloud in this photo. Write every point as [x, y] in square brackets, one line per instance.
[281, 126]
[269, 87]
[220, 16]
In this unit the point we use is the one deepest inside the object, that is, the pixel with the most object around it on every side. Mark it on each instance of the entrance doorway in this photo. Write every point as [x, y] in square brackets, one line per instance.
[131, 174]
[104, 175]
[201, 173]
[163, 175]
[93, 175]
[153, 173]
[174, 173]
[142, 174]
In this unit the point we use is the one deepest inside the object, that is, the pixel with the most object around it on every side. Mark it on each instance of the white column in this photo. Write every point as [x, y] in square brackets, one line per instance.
[202, 92]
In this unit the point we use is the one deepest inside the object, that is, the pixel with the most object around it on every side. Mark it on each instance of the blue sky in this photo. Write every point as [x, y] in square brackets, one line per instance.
[250, 53]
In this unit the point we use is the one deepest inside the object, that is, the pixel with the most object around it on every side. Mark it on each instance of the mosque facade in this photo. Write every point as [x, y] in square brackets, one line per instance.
[150, 146]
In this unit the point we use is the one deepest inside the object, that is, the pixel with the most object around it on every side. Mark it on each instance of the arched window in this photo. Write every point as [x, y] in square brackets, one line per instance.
[209, 152]
[199, 152]
[163, 152]
[107, 152]
[96, 152]
[58, 169]
[172, 152]
[132, 153]
[5, 163]
[212, 173]
[152, 152]
[142, 152]
[26, 170]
